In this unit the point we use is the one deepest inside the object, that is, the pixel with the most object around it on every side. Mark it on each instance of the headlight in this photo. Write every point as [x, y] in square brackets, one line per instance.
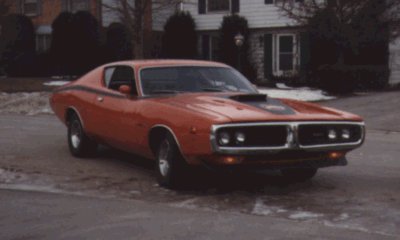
[240, 137]
[224, 138]
[332, 135]
[346, 134]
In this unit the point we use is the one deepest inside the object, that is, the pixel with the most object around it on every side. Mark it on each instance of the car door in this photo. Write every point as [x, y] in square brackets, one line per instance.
[114, 111]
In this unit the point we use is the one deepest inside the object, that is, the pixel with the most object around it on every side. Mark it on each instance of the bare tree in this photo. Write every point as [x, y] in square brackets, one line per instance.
[133, 14]
[345, 11]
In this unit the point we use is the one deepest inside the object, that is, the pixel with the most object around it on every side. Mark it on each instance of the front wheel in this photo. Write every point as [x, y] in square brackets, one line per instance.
[170, 165]
[80, 145]
[299, 174]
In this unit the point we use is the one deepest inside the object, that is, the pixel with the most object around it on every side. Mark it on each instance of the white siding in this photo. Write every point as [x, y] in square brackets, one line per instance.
[257, 13]
[160, 16]
[394, 62]
[109, 16]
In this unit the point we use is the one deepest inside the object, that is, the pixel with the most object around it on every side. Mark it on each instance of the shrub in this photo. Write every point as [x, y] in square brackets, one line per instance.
[349, 55]
[86, 40]
[345, 79]
[62, 43]
[180, 38]
[17, 46]
[75, 47]
[118, 44]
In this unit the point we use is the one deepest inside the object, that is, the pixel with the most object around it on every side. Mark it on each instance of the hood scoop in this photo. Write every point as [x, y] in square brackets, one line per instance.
[250, 98]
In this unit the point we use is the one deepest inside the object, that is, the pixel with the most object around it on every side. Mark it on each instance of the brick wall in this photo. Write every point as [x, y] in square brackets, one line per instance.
[50, 9]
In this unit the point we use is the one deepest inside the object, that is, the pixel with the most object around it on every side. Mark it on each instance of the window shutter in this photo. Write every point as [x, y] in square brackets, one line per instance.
[235, 6]
[269, 1]
[268, 56]
[205, 49]
[202, 6]
[304, 51]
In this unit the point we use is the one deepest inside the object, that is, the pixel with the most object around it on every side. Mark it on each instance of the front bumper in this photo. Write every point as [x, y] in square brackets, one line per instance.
[288, 159]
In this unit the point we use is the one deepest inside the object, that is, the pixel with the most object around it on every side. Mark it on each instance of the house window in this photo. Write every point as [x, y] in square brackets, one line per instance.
[78, 5]
[286, 54]
[43, 42]
[214, 46]
[30, 7]
[210, 47]
[218, 5]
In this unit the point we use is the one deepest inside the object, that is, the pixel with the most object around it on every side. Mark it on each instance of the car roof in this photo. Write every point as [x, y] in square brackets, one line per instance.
[168, 62]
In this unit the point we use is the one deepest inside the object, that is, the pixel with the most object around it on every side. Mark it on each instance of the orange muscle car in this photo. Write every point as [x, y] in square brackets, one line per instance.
[185, 113]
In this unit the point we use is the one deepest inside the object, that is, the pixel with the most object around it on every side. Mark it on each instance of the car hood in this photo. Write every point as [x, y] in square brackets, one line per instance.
[236, 107]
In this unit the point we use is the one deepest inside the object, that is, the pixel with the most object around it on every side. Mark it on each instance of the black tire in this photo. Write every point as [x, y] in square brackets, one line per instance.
[171, 168]
[80, 145]
[299, 174]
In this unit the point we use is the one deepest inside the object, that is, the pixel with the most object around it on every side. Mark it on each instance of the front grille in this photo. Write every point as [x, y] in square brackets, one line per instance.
[257, 136]
[281, 136]
[317, 134]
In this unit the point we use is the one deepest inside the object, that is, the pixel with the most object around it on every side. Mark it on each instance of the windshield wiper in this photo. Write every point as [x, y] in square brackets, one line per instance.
[212, 89]
[164, 92]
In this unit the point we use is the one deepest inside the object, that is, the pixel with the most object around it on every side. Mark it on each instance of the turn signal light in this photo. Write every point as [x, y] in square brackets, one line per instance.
[232, 160]
[336, 155]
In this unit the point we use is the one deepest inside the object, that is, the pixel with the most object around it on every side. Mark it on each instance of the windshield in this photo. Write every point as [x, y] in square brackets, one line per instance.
[164, 80]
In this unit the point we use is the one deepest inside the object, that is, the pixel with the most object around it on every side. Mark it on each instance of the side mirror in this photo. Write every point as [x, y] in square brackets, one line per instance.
[125, 89]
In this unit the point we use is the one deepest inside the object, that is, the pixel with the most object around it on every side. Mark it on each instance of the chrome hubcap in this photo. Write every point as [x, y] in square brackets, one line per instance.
[75, 134]
[163, 163]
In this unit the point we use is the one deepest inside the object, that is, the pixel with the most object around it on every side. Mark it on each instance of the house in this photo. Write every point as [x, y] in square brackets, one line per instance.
[277, 45]
[275, 40]
[43, 12]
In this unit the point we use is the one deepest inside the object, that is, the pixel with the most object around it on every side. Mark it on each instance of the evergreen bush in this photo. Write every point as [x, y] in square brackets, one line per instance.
[180, 38]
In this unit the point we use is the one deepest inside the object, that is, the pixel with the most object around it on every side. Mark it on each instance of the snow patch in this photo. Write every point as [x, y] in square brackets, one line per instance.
[56, 83]
[302, 94]
[25, 103]
[30, 188]
[188, 204]
[305, 215]
[282, 86]
[342, 217]
[261, 209]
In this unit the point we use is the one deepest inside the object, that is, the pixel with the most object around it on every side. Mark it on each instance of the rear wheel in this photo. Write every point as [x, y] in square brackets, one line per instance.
[80, 145]
[170, 165]
[299, 174]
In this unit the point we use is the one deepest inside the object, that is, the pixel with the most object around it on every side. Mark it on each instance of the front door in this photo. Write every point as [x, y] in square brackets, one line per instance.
[115, 112]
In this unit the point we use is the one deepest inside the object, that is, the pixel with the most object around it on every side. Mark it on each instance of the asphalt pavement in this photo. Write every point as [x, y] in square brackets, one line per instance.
[45, 193]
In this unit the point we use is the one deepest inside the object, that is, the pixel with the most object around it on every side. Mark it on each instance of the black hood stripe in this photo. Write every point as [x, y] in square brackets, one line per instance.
[88, 89]
[265, 103]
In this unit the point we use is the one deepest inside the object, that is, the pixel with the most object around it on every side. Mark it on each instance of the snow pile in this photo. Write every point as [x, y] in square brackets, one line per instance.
[56, 83]
[305, 215]
[302, 94]
[25, 103]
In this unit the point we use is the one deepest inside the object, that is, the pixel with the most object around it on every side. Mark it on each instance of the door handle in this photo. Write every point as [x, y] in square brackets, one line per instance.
[100, 99]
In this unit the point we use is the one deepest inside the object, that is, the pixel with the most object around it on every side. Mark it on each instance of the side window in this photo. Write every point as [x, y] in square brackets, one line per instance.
[114, 77]
[107, 75]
